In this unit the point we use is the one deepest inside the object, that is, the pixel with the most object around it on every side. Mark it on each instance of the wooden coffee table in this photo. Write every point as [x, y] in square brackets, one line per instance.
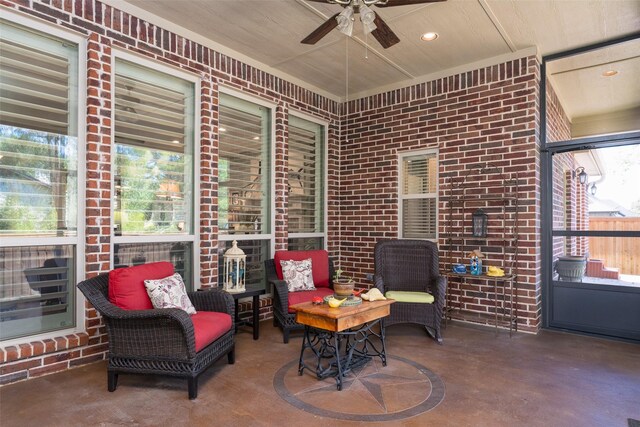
[341, 338]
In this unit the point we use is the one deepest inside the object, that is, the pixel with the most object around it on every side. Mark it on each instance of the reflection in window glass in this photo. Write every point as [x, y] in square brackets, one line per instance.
[177, 253]
[257, 252]
[305, 243]
[36, 289]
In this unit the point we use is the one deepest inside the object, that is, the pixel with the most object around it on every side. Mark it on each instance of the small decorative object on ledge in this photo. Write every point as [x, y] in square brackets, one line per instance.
[475, 258]
[494, 271]
[459, 268]
[480, 221]
[234, 268]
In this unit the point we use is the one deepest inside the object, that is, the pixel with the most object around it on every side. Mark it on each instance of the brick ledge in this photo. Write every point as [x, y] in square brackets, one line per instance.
[42, 347]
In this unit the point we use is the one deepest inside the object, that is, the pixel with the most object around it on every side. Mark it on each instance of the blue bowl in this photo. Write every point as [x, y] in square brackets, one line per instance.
[459, 268]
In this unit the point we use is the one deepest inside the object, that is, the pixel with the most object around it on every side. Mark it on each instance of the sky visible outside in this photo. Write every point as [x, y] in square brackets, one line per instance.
[621, 183]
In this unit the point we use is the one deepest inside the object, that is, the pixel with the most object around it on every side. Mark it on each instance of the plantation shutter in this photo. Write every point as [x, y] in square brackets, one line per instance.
[419, 196]
[38, 130]
[35, 89]
[150, 112]
[305, 184]
[154, 118]
[244, 166]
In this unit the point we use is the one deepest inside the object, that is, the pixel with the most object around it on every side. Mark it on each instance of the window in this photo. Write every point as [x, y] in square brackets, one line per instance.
[244, 209]
[305, 183]
[39, 182]
[153, 209]
[419, 195]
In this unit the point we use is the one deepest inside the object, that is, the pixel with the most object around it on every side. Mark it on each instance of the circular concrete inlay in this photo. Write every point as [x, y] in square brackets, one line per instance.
[402, 389]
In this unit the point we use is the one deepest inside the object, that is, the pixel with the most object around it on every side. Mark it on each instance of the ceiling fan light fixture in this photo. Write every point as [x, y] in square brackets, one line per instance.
[368, 17]
[429, 37]
[345, 21]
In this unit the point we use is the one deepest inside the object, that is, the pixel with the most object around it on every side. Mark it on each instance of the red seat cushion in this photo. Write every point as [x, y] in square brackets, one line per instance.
[319, 264]
[208, 326]
[304, 296]
[126, 285]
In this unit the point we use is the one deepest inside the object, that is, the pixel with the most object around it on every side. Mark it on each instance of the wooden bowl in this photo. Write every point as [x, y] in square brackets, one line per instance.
[343, 289]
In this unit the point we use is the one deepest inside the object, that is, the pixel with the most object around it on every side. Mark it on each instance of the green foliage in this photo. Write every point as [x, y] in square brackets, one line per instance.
[34, 167]
[148, 200]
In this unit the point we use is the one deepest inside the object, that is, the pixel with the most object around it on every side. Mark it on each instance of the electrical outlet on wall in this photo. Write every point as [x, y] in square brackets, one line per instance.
[369, 276]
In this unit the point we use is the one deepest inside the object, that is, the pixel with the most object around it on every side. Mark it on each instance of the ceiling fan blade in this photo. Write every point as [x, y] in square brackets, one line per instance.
[321, 31]
[383, 33]
[391, 3]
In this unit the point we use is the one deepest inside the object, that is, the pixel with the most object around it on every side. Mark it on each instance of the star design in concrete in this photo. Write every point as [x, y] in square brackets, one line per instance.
[372, 392]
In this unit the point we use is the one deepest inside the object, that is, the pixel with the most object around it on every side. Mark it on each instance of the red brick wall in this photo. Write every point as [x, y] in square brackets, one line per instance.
[486, 116]
[570, 202]
[106, 28]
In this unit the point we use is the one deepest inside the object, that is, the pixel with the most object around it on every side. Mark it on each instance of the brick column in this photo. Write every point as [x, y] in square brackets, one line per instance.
[208, 197]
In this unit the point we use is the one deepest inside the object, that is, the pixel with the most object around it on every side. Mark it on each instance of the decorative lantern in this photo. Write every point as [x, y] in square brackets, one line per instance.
[234, 267]
[479, 223]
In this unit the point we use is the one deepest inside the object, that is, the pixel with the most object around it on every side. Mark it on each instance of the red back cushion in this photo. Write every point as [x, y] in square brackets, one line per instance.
[126, 285]
[319, 264]
[208, 326]
[305, 296]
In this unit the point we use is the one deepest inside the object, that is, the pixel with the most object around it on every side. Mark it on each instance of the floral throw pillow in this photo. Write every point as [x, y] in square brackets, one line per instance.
[298, 275]
[169, 293]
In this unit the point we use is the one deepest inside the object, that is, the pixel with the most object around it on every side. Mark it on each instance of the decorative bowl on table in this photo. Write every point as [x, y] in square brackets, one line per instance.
[343, 289]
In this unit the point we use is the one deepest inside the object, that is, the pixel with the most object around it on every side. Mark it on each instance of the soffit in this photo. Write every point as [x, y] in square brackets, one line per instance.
[269, 32]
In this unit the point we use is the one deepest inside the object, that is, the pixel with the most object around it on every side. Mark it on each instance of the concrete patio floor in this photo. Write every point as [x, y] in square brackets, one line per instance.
[490, 379]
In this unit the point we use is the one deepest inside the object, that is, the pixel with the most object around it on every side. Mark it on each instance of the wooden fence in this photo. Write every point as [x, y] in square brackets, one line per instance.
[616, 252]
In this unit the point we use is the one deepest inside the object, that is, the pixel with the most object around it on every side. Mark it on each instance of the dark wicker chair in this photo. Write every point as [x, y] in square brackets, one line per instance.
[280, 292]
[411, 265]
[159, 341]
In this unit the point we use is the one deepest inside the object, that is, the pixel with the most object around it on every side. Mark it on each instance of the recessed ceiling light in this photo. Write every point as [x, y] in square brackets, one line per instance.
[255, 138]
[223, 130]
[175, 141]
[609, 73]
[429, 37]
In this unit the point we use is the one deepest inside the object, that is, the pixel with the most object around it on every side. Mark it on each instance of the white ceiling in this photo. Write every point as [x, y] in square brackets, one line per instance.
[268, 33]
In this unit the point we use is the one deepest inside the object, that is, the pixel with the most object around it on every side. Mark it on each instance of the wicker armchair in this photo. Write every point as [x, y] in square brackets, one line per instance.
[281, 301]
[159, 341]
[411, 266]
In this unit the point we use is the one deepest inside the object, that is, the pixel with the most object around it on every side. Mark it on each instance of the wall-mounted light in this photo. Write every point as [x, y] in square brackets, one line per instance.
[582, 175]
[593, 189]
[479, 222]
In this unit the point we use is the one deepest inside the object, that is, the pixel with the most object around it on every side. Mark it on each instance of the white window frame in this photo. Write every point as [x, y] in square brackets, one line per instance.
[325, 175]
[79, 240]
[402, 196]
[194, 236]
[272, 175]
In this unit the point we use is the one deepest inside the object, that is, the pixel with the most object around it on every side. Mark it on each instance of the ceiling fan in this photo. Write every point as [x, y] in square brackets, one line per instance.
[370, 20]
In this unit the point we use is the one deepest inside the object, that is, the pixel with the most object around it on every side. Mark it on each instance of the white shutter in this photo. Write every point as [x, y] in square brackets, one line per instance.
[305, 179]
[419, 196]
[244, 167]
[154, 145]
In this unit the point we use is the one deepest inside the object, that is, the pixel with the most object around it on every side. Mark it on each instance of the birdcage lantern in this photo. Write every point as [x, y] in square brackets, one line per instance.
[235, 262]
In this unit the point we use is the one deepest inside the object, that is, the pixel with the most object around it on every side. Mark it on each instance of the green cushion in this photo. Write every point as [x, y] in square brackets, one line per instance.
[402, 296]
